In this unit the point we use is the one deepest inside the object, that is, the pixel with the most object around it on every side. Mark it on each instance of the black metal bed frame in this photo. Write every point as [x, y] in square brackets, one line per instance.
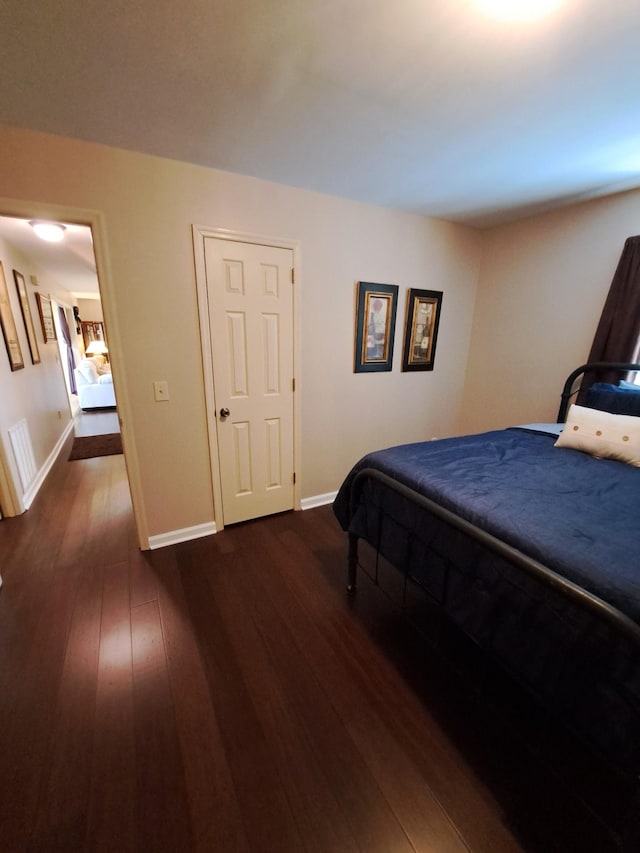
[594, 367]
[604, 611]
[624, 626]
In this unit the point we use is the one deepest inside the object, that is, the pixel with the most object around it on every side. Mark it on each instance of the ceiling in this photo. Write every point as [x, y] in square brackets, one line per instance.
[71, 263]
[428, 106]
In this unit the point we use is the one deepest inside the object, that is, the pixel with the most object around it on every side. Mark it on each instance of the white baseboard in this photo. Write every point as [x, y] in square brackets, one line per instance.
[173, 537]
[34, 487]
[318, 500]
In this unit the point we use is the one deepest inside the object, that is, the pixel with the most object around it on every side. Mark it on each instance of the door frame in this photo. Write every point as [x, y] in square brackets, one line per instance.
[95, 220]
[200, 233]
[74, 409]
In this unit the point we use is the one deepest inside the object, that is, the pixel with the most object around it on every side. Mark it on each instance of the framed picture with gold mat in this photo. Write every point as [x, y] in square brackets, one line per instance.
[8, 324]
[46, 318]
[23, 296]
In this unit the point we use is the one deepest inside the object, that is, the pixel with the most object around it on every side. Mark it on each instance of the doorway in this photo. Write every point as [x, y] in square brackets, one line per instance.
[39, 399]
[29, 395]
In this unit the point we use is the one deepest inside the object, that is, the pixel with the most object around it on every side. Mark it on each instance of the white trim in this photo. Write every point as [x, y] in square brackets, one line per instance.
[34, 487]
[116, 359]
[199, 233]
[318, 500]
[173, 537]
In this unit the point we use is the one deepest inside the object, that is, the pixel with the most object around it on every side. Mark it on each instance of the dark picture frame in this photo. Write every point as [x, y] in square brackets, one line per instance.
[46, 318]
[27, 317]
[421, 329]
[376, 306]
[8, 323]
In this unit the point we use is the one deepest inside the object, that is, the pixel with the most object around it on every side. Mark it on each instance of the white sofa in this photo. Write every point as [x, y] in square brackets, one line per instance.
[95, 390]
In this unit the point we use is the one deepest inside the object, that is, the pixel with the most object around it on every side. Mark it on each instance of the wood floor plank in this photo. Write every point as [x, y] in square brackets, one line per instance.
[269, 823]
[118, 528]
[82, 544]
[111, 825]
[142, 578]
[322, 821]
[61, 818]
[419, 814]
[444, 768]
[216, 818]
[499, 753]
[163, 817]
[29, 684]
[38, 603]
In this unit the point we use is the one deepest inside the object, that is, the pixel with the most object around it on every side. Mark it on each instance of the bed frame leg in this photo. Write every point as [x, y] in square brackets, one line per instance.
[352, 563]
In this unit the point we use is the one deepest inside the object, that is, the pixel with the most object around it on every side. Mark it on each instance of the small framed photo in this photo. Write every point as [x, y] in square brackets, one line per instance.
[375, 326]
[46, 318]
[421, 329]
[8, 324]
[27, 317]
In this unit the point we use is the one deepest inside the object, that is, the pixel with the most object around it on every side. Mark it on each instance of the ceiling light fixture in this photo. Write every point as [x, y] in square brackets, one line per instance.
[52, 232]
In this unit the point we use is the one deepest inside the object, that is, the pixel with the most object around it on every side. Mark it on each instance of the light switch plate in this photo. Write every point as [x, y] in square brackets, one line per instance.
[161, 390]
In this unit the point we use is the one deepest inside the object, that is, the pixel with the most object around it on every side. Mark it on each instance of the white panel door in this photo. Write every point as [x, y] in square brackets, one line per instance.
[250, 295]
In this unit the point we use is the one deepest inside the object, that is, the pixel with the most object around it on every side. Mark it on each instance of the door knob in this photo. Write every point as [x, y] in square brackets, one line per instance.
[224, 413]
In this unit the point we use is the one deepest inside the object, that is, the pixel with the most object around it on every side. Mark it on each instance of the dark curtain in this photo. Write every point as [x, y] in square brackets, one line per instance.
[71, 362]
[618, 331]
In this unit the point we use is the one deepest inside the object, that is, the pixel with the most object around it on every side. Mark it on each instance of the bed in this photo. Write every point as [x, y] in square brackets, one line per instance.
[527, 540]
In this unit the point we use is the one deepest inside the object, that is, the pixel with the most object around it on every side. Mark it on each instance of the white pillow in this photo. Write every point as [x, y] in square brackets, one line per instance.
[602, 434]
[105, 379]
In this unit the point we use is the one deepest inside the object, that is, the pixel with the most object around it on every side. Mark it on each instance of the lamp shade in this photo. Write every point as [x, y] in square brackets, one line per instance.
[97, 348]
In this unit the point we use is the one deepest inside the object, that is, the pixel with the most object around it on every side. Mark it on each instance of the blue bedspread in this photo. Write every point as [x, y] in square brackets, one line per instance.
[578, 515]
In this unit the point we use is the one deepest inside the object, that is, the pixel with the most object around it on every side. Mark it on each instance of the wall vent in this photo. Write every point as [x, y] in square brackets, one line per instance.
[23, 452]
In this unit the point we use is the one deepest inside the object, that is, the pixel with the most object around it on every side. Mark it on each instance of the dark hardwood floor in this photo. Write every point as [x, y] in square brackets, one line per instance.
[225, 695]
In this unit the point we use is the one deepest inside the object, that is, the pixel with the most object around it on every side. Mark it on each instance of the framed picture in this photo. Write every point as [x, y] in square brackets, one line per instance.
[23, 296]
[9, 325]
[91, 331]
[375, 326]
[46, 318]
[421, 330]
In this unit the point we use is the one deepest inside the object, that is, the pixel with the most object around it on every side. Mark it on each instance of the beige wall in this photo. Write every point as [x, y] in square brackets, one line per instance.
[147, 206]
[542, 289]
[37, 392]
[90, 310]
[543, 282]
